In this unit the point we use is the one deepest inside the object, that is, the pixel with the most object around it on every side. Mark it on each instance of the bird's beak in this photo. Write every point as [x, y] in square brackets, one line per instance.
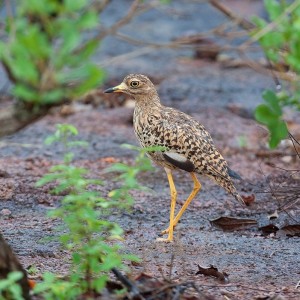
[117, 89]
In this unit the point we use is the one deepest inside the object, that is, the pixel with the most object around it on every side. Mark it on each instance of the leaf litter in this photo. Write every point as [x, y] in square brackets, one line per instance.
[213, 272]
[230, 223]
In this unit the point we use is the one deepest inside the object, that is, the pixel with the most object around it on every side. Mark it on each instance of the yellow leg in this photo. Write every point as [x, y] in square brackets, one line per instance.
[196, 189]
[172, 209]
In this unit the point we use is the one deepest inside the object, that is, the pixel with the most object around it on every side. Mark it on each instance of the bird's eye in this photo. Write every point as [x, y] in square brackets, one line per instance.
[134, 84]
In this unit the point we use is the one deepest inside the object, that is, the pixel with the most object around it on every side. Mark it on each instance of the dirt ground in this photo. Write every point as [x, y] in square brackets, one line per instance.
[259, 266]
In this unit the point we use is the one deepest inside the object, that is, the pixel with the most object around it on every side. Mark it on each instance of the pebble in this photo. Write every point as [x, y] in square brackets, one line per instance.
[5, 212]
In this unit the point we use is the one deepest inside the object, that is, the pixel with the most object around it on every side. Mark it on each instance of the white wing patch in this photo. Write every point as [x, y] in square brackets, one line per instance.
[179, 161]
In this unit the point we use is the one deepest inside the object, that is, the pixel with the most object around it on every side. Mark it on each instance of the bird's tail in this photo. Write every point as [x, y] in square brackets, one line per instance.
[234, 174]
[228, 185]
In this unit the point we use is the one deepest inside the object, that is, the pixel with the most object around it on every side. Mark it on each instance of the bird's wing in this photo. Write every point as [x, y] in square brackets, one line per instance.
[189, 139]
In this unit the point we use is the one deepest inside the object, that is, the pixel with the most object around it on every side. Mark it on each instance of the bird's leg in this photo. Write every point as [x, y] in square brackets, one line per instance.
[172, 209]
[196, 189]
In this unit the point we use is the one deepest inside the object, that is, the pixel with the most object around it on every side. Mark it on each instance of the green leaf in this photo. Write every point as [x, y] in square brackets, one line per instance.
[259, 22]
[74, 5]
[271, 98]
[270, 114]
[23, 68]
[264, 114]
[87, 49]
[53, 96]
[50, 139]
[278, 131]
[26, 93]
[88, 20]
[274, 9]
[90, 76]
[100, 282]
[118, 167]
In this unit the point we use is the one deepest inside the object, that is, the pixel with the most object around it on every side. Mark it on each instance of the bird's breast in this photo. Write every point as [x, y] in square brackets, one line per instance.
[147, 128]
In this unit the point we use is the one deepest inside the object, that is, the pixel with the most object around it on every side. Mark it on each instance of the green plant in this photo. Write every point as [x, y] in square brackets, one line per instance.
[54, 288]
[280, 40]
[45, 50]
[128, 173]
[270, 114]
[242, 141]
[9, 287]
[32, 270]
[88, 234]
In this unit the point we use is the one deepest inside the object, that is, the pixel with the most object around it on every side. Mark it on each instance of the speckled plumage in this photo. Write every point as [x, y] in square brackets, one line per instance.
[189, 145]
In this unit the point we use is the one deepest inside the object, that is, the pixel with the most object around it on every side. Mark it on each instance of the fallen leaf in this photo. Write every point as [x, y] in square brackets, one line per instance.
[31, 284]
[248, 199]
[271, 228]
[229, 223]
[109, 159]
[291, 230]
[205, 48]
[213, 271]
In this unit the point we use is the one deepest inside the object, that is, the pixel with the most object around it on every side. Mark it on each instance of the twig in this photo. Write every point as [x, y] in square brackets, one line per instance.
[99, 6]
[234, 17]
[294, 141]
[126, 56]
[134, 10]
[8, 9]
[172, 285]
[133, 289]
[247, 287]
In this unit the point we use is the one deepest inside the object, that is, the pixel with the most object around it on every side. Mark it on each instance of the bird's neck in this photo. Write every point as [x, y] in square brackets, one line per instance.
[147, 102]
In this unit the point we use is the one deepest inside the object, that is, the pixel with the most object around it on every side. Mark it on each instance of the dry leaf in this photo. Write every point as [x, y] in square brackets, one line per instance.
[109, 159]
[271, 228]
[229, 223]
[248, 199]
[213, 271]
[291, 230]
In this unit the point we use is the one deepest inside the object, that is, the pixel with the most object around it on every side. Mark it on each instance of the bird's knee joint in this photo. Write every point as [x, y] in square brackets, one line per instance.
[197, 187]
[174, 194]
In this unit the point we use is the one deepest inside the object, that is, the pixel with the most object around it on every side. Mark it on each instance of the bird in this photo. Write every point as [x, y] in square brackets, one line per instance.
[186, 144]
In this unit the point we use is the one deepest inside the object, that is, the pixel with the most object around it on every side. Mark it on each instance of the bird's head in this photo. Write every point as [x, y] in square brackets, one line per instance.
[134, 85]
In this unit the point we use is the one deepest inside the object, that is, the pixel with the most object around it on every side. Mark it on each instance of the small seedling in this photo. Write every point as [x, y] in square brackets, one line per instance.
[88, 234]
[9, 287]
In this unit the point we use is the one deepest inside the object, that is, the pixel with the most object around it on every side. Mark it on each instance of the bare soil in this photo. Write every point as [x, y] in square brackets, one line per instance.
[257, 265]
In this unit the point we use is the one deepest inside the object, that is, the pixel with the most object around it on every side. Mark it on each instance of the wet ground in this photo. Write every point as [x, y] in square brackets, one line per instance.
[221, 99]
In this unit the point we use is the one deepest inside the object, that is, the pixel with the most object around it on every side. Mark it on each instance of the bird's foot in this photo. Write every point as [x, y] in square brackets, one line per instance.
[167, 240]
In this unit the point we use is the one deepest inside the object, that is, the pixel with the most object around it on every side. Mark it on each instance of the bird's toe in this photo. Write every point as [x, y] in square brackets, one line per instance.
[165, 231]
[167, 240]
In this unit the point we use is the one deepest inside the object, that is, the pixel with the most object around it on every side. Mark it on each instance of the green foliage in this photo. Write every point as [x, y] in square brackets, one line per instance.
[54, 288]
[88, 234]
[128, 173]
[64, 135]
[280, 40]
[9, 287]
[242, 141]
[270, 114]
[45, 50]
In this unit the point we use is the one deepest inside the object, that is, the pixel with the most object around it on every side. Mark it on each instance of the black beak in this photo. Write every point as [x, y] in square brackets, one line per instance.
[110, 90]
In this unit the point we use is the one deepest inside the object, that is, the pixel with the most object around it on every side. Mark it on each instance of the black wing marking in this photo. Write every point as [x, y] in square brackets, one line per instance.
[179, 161]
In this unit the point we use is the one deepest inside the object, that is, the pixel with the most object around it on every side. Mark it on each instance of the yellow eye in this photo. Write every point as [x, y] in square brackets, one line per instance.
[134, 84]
